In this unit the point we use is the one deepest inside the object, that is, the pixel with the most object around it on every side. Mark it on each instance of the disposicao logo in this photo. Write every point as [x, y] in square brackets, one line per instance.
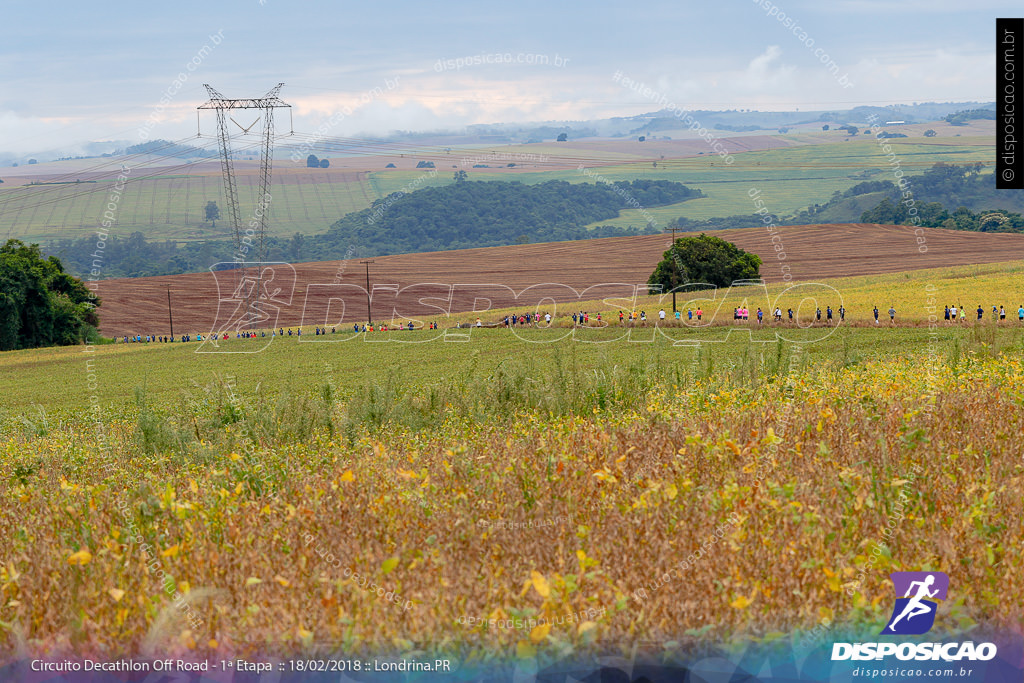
[914, 613]
[918, 595]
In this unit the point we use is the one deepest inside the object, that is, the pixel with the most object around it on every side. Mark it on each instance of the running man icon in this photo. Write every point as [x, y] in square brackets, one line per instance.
[914, 612]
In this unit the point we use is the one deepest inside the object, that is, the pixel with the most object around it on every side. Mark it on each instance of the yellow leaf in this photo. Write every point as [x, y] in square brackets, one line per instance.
[283, 581]
[212, 643]
[407, 474]
[389, 565]
[671, 491]
[172, 551]
[539, 633]
[193, 486]
[252, 581]
[116, 593]
[524, 650]
[83, 556]
[238, 488]
[348, 476]
[581, 556]
[235, 456]
[540, 584]
[741, 602]
[586, 627]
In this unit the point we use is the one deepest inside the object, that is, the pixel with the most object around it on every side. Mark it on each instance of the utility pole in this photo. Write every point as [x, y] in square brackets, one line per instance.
[369, 317]
[675, 266]
[170, 318]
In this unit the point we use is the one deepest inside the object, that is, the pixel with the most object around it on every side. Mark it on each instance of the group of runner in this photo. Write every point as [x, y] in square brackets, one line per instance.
[522, 319]
[952, 314]
[998, 313]
[743, 313]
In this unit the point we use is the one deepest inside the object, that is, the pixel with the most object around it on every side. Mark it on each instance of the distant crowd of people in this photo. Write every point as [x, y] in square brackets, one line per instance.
[952, 314]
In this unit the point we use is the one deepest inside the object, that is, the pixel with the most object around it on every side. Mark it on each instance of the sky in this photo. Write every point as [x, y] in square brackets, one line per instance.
[75, 72]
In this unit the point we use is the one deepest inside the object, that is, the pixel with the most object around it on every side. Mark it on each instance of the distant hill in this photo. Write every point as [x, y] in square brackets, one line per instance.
[169, 149]
[956, 197]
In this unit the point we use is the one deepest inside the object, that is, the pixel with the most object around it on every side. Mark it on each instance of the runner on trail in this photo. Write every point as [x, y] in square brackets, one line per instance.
[892, 315]
[876, 314]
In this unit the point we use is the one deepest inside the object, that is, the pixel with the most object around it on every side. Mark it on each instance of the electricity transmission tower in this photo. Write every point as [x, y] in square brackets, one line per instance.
[253, 238]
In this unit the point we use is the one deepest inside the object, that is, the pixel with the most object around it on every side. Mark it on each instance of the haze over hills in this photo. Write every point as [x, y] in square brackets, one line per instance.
[658, 123]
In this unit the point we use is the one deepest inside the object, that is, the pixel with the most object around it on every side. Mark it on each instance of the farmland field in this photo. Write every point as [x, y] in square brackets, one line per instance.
[791, 178]
[618, 494]
[171, 206]
[333, 292]
[167, 203]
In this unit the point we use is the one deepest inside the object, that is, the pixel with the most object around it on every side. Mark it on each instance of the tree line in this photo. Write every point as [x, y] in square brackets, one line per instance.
[40, 303]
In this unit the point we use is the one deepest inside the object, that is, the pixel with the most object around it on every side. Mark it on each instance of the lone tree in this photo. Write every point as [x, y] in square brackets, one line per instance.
[324, 163]
[312, 161]
[40, 304]
[703, 259]
[212, 212]
[930, 133]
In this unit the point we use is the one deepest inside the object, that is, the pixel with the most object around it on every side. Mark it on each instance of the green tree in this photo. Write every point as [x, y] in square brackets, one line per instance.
[703, 259]
[324, 163]
[930, 133]
[41, 304]
[312, 161]
[562, 137]
[212, 212]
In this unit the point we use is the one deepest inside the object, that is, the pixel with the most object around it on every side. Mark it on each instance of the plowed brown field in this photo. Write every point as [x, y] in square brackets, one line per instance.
[332, 292]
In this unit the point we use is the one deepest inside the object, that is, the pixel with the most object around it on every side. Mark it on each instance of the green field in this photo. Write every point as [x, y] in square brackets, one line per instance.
[171, 207]
[50, 377]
